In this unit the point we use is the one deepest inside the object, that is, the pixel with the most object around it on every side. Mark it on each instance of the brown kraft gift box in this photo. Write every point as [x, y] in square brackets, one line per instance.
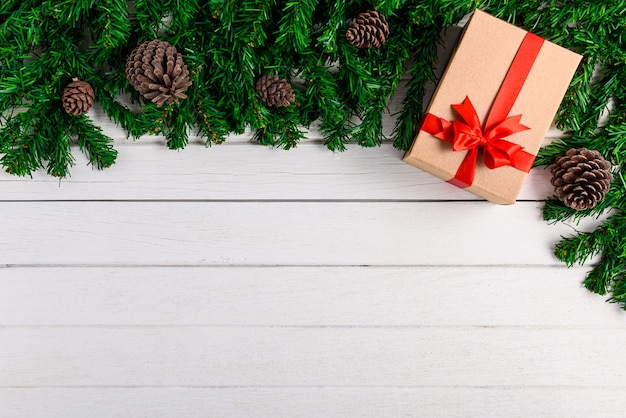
[483, 59]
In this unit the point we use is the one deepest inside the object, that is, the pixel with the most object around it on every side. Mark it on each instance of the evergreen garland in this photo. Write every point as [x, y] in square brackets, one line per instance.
[228, 45]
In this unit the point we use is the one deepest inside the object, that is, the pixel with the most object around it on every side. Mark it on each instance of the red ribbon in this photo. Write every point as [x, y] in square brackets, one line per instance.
[467, 134]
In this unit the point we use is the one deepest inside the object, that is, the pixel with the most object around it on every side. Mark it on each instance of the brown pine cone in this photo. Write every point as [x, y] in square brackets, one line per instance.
[157, 71]
[369, 30]
[581, 178]
[275, 91]
[78, 97]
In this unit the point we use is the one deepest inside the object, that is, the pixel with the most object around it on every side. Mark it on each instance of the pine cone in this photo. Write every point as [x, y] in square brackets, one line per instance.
[157, 71]
[581, 178]
[275, 91]
[369, 30]
[78, 97]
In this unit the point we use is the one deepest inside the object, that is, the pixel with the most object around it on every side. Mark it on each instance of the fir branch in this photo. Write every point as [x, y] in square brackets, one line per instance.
[127, 119]
[328, 31]
[7, 7]
[609, 240]
[110, 28]
[211, 121]
[177, 132]
[420, 72]
[602, 275]
[388, 7]
[182, 16]
[67, 13]
[368, 132]
[295, 25]
[21, 149]
[273, 134]
[322, 93]
[149, 17]
[370, 82]
[97, 146]
[261, 28]
[58, 151]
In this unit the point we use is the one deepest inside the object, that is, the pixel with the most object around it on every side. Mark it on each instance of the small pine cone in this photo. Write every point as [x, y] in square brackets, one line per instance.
[78, 97]
[369, 30]
[581, 178]
[275, 91]
[157, 71]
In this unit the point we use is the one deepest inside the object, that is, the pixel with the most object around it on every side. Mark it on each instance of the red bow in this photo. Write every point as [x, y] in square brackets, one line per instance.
[467, 134]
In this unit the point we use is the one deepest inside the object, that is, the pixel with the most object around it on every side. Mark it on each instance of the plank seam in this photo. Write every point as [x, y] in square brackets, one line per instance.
[565, 328]
[296, 387]
[559, 266]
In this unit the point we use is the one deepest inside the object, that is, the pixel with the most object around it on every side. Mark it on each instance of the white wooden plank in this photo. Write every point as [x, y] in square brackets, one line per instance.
[243, 171]
[270, 233]
[301, 296]
[310, 356]
[340, 402]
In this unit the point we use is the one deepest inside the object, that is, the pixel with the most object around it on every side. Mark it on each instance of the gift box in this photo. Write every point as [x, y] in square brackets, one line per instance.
[492, 108]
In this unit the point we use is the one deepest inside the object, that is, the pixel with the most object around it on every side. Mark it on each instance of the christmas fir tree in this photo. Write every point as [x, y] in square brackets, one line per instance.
[275, 67]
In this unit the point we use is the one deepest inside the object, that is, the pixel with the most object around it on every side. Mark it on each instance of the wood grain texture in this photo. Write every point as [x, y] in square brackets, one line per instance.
[244, 171]
[235, 356]
[448, 296]
[310, 402]
[276, 233]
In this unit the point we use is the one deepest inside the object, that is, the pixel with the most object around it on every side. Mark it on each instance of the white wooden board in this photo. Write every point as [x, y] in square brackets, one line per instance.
[443, 296]
[311, 402]
[276, 233]
[247, 171]
[309, 356]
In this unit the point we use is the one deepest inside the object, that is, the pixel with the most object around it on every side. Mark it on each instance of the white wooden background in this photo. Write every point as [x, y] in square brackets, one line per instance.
[243, 281]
